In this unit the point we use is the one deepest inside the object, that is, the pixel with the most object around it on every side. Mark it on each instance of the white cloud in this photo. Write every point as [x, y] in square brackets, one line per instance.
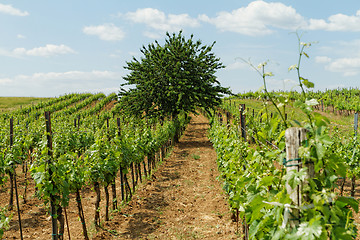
[46, 51]
[341, 57]
[60, 77]
[353, 43]
[348, 48]
[6, 53]
[337, 22]
[74, 75]
[20, 36]
[106, 32]
[260, 18]
[5, 81]
[237, 65]
[9, 9]
[257, 18]
[284, 84]
[159, 21]
[58, 83]
[105, 90]
[346, 66]
[322, 59]
[291, 82]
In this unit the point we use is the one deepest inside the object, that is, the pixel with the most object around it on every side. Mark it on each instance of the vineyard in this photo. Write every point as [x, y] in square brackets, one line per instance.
[251, 140]
[289, 160]
[62, 149]
[57, 149]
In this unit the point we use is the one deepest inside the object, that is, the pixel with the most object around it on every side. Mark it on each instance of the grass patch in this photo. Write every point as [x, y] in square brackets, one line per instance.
[344, 123]
[196, 157]
[14, 103]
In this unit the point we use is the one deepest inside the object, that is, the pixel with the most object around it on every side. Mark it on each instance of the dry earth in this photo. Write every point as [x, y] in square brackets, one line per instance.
[183, 200]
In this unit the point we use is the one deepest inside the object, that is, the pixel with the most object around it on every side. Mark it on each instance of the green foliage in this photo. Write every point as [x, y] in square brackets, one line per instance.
[256, 186]
[93, 152]
[88, 145]
[4, 221]
[171, 78]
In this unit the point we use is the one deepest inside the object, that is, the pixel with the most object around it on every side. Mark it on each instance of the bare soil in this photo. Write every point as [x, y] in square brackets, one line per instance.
[182, 200]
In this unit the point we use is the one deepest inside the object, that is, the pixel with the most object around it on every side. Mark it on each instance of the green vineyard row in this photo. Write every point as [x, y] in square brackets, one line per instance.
[254, 169]
[84, 141]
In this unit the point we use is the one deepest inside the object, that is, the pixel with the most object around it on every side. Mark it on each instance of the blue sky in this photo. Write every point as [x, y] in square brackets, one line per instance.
[49, 48]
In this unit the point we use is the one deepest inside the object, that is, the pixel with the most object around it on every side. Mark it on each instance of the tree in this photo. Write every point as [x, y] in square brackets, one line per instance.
[178, 76]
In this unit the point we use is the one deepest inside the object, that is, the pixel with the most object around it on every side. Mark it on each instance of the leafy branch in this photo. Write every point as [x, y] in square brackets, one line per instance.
[260, 69]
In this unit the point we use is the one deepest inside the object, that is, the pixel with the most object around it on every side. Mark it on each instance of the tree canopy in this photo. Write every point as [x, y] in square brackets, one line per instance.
[170, 78]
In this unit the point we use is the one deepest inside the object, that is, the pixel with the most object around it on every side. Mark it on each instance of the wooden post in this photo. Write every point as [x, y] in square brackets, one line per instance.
[293, 139]
[52, 197]
[228, 119]
[242, 108]
[14, 177]
[133, 176]
[11, 174]
[356, 117]
[242, 121]
[121, 169]
[353, 179]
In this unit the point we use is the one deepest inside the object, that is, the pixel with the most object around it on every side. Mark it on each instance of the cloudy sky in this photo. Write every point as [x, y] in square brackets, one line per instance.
[49, 48]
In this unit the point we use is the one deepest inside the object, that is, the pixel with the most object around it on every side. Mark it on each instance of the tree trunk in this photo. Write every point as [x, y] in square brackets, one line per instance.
[139, 171]
[162, 149]
[107, 200]
[342, 186]
[149, 161]
[60, 218]
[97, 204]
[122, 184]
[81, 214]
[11, 199]
[26, 182]
[144, 164]
[128, 191]
[113, 188]
[353, 186]
[133, 176]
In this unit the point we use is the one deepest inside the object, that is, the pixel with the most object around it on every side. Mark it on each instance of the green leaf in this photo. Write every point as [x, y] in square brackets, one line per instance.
[310, 230]
[266, 181]
[307, 83]
[269, 74]
[349, 201]
[292, 67]
[311, 102]
[294, 177]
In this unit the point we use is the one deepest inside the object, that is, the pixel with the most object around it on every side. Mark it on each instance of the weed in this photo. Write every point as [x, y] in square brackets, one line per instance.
[196, 157]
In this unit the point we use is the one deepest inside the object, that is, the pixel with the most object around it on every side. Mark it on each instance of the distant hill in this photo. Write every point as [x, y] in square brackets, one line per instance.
[12, 103]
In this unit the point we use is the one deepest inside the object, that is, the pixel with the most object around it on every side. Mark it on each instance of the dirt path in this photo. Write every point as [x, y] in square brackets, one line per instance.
[183, 200]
